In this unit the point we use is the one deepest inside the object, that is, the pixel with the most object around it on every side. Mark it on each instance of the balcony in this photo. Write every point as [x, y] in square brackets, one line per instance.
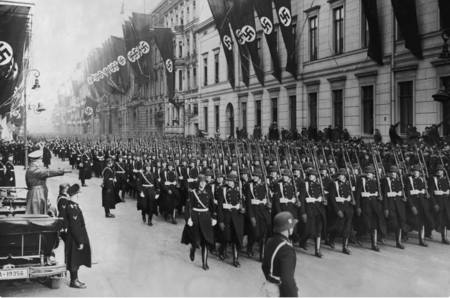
[179, 29]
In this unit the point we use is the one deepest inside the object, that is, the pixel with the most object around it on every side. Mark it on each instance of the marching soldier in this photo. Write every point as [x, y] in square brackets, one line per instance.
[439, 191]
[109, 196]
[171, 195]
[3, 181]
[121, 176]
[341, 210]
[148, 188]
[200, 218]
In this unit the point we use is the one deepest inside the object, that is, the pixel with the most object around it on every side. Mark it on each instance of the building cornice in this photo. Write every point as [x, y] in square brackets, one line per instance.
[204, 25]
[412, 66]
[369, 73]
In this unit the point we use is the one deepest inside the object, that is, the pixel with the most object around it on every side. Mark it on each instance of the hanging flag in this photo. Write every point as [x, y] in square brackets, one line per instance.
[405, 13]
[141, 25]
[118, 45]
[284, 13]
[235, 22]
[17, 116]
[164, 42]
[248, 35]
[219, 11]
[444, 9]
[375, 43]
[90, 108]
[130, 40]
[264, 10]
[14, 42]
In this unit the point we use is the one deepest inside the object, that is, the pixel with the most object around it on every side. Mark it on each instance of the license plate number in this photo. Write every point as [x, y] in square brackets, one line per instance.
[13, 273]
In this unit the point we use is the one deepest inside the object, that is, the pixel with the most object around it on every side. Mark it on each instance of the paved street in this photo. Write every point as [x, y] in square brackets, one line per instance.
[132, 259]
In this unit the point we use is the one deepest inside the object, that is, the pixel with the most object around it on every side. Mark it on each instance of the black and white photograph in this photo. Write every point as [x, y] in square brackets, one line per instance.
[224, 148]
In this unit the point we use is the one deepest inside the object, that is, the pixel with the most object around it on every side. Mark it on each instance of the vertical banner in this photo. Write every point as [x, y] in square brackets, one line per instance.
[375, 44]
[264, 10]
[405, 13]
[219, 11]
[141, 25]
[284, 13]
[164, 42]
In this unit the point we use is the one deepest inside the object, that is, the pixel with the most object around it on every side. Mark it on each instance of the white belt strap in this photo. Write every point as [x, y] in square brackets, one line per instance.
[285, 201]
[416, 192]
[258, 202]
[313, 200]
[369, 194]
[393, 194]
[229, 206]
[170, 183]
[273, 258]
[342, 200]
[441, 192]
[200, 210]
[191, 180]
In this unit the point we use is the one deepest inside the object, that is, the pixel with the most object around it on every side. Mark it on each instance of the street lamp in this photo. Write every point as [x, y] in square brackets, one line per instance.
[445, 36]
[35, 87]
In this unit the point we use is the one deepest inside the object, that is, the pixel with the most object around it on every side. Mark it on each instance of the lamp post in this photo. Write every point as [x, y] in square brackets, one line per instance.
[35, 87]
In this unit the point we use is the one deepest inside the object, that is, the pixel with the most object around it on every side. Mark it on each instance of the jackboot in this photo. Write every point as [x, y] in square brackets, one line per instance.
[422, 237]
[222, 248]
[144, 218]
[262, 248]
[345, 246]
[444, 237]
[373, 238]
[192, 254]
[235, 257]
[317, 246]
[205, 258]
[330, 242]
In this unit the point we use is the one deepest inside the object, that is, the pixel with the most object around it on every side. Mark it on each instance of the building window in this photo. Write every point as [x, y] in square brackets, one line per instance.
[338, 26]
[274, 109]
[399, 32]
[216, 68]
[216, 117]
[258, 43]
[180, 80]
[187, 15]
[244, 114]
[195, 109]
[188, 44]
[194, 73]
[293, 111]
[205, 71]
[313, 38]
[365, 37]
[406, 104]
[368, 108]
[312, 97]
[188, 71]
[205, 118]
[338, 108]
[258, 113]
[180, 49]
[146, 117]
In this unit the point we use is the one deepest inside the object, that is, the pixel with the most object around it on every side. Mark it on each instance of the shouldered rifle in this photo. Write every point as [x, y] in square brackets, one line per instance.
[264, 172]
[353, 202]
[425, 176]
[287, 153]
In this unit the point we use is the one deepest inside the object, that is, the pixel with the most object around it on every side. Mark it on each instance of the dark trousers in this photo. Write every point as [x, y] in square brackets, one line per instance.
[73, 275]
[107, 211]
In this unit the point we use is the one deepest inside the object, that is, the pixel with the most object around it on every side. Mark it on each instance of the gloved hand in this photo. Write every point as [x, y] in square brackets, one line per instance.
[222, 226]
[156, 197]
[190, 222]
[170, 192]
[358, 211]
[253, 221]
[81, 247]
[142, 194]
[340, 214]
[386, 213]
[108, 191]
[304, 218]
[213, 222]
[414, 210]
[436, 208]
[242, 211]
[325, 202]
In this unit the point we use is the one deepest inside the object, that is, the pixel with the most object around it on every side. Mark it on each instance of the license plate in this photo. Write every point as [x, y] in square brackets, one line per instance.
[13, 273]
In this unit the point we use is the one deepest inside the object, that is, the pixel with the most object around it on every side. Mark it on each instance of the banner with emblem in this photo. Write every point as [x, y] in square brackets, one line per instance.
[284, 13]
[89, 108]
[133, 52]
[119, 49]
[375, 43]
[14, 41]
[164, 42]
[141, 24]
[264, 10]
[234, 18]
[249, 36]
[219, 11]
[17, 116]
[406, 16]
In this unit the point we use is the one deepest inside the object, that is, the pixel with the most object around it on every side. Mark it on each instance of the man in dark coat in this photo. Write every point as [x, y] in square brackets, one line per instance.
[200, 218]
[395, 138]
[10, 176]
[47, 156]
[77, 245]
[85, 167]
[171, 193]
[148, 189]
[109, 196]
[280, 260]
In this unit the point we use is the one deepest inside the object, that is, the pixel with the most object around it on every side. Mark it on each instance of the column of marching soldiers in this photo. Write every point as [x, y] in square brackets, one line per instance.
[227, 189]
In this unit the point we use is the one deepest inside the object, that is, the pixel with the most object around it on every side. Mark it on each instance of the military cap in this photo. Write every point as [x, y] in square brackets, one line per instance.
[208, 172]
[312, 172]
[393, 169]
[283, 166]
[283, 221]
[35, 155]
[231, 177]
[308, 165]
[323, 167]
[74, 189]
[244, 171]
[369, 169]
[234, 168]
[192, 160]
[440, 168]
[286, 172]
[355, 166]
[10, 154]
[219, 175]
[63, 186]
[273, 169]
[296, 167]
[170, 164]
[416, 168]
[147, 164]
[258, 172]
[342, 172]
[201, 177]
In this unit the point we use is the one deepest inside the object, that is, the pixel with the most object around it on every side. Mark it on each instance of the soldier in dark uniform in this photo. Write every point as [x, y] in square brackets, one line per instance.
[394, 205]
[312, 212]
[421, 219]
[148, 189]
[258, 213]
[231, 219]
[10, 176]
[121, 176]
[280, 260]
[200, 218]
[341, 210]
[85, 167]
[109, 197]
[171, 194]
[2, 171]
[47, 156]
[369, 213]
[77, 246]
[440, 190]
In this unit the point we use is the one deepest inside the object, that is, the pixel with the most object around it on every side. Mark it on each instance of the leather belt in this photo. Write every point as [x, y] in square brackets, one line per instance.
[285, 200]
[342, 200]
[120, 172]
[200, 209]
[148, 185]
[257, 202]
[170, 183]
[369, 194]
[230, 207]
[393, 194]
[191, 180]
[416, 192]
[313, 200]
[441, 192]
